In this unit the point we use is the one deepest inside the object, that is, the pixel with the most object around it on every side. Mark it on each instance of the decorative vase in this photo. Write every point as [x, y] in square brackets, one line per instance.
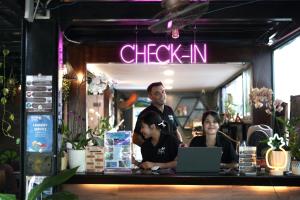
[296, 167]
[77, 158]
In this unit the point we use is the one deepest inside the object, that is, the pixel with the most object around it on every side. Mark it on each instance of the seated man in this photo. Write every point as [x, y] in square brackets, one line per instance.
[159, 149]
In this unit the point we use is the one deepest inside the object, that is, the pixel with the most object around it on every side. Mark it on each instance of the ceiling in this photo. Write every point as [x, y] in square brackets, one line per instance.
[234, 22]
[244, 22]
[186, 77]
[11, 14]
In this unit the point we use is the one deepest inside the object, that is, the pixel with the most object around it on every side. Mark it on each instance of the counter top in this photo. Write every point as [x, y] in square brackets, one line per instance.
[169, 178]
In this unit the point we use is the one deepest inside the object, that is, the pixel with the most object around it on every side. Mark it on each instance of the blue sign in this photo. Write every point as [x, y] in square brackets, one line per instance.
[39, 133]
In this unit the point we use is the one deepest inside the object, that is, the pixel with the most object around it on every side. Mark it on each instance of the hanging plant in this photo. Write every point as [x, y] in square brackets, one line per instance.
[8, 85]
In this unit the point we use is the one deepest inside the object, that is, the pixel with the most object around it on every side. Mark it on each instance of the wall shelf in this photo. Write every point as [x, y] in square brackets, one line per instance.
[188, 111]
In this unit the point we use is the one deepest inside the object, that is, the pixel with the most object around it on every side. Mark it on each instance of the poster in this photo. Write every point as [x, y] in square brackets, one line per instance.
[38, 93]
[33, 181]
[39, 133]
[117, 150]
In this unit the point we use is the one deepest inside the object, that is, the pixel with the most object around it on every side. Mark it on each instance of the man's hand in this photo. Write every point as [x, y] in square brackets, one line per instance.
[147, 165]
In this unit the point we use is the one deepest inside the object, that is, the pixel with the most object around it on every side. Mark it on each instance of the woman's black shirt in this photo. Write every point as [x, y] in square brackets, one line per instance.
[228, 156]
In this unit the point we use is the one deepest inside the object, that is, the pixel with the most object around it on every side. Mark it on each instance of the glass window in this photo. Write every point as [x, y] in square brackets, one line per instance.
[235, 96]
[286, 70]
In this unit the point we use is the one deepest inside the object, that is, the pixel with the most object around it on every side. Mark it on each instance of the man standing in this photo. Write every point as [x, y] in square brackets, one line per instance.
[157, 94]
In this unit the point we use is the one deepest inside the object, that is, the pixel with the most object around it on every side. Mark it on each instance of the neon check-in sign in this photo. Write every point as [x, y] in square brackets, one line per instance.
[163, 53]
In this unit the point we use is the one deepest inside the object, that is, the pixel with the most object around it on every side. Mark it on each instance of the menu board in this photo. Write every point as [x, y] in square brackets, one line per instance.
[38, 93]
[39, 133]
[117, 150]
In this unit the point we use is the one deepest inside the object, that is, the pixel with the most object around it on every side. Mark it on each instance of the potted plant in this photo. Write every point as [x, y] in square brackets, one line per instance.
[100, 130]
[294, 144]
[54, 181]
[76, 154]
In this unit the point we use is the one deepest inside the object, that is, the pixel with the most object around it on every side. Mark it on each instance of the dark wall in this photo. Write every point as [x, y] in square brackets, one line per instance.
[260, 58]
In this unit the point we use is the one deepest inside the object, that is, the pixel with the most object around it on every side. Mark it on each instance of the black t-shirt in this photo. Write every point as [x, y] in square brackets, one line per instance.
[165, 151]
[167, 115]
[229, 154]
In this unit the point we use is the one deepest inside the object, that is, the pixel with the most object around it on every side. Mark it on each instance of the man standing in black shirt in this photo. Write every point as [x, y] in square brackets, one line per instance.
[157, 94]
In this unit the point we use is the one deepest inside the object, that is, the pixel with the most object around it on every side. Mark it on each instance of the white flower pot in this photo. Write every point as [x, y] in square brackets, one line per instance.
[296, 167]
[77, 158]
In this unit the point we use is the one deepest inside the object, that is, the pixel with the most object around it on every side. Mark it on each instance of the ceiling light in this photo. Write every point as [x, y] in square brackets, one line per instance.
[169, 81]
[169, 24]
[168, 87]
[175, 33]
[80, 77]
[169, 72]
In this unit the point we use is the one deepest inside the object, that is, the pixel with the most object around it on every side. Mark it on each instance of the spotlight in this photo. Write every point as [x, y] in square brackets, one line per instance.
[175, 33]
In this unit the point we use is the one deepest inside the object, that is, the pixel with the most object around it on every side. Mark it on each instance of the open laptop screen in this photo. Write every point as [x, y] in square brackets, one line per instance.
[199, 159]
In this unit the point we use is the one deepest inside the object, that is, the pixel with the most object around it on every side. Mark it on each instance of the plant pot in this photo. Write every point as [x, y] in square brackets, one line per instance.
[296, 167]
[64, 161]
[77, 158]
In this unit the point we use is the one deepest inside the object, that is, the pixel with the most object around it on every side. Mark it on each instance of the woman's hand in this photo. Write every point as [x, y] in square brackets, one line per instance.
[147, 165]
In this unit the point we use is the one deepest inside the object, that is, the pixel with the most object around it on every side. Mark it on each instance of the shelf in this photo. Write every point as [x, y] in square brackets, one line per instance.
[189, 110]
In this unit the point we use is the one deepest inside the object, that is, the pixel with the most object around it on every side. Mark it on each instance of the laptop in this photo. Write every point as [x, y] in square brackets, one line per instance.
[199, 160]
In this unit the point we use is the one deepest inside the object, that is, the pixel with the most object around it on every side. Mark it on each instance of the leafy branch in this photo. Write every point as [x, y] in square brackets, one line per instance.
[8, 84]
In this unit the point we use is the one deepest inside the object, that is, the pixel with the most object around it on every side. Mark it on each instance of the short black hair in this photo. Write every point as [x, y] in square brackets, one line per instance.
[213, 113]
[155, 84]
[152, 117]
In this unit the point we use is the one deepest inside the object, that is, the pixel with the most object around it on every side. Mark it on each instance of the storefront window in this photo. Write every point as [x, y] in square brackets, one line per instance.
[286, 70]
[235, 96]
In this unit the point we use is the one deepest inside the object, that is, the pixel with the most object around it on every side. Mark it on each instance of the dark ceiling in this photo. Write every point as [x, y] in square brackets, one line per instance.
[232, 22]
[11, 14]
[94, 21]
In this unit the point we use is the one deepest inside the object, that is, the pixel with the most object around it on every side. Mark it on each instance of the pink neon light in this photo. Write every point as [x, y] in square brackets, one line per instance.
[149, 52]
[164, 53]
[174, 54]
[122, 54]
[157, 56]
[202, 54]
[137, 53]
[169, 25]
[60, 50]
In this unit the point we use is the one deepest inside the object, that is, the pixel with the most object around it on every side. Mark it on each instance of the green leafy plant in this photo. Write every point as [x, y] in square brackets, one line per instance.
[229, 106]
[291, 136]
[8, 85]
[8, 156]
[79, 141]
[294, 140]
[99, 131]
[66, 88]
[52, 181]
[8, 197]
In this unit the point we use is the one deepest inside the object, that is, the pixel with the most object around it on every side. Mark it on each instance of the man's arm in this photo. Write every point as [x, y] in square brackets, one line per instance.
[179, 135]
[137, 139]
